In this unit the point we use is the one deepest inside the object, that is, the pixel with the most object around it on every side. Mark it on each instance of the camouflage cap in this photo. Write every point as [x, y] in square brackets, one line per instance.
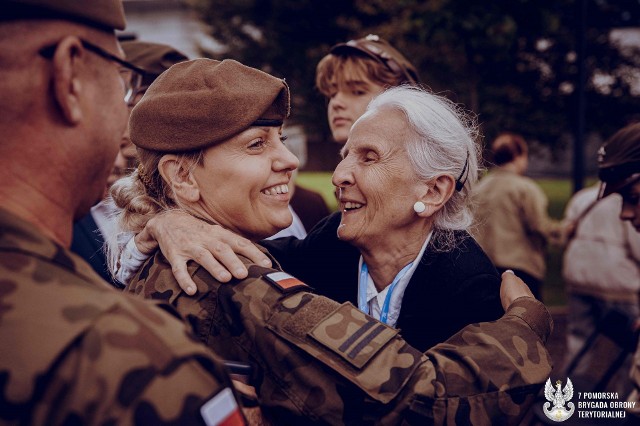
[103, 14]
[199, 103]
[381, 51]
[154, 58]
[619, 159]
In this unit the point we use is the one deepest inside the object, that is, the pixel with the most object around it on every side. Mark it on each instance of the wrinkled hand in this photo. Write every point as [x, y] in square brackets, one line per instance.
[182, 238]
[512, 288]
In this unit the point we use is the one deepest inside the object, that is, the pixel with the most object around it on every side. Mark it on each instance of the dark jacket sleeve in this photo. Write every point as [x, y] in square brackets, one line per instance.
[321, 260]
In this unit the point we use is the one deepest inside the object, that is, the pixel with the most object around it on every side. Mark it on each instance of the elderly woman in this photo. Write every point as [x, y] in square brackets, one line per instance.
[398, 249]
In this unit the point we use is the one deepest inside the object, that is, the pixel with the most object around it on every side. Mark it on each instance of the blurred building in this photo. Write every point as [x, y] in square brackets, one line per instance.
[170, 22]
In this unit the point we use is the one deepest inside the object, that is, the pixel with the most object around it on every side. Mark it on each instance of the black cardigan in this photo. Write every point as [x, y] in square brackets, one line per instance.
[447, 291]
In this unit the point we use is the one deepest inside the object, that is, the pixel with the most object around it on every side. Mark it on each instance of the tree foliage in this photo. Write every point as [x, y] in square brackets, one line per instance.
[513, 62]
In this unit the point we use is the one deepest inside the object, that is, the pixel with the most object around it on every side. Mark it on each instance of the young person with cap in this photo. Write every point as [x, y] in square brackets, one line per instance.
[89, 233]
[355, 72]
[314, 358]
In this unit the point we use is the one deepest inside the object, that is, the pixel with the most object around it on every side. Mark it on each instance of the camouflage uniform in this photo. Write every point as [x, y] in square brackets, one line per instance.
[74, 351]
[324, 361]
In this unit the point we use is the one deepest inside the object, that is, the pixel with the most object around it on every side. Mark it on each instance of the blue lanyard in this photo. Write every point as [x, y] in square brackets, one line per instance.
[362, 291]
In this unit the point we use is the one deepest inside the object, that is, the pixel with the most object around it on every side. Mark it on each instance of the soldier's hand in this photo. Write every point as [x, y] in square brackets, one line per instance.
[512, 288]
[182, 238]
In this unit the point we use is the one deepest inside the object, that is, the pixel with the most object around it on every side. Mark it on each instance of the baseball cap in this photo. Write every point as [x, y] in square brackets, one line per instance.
[381, 51]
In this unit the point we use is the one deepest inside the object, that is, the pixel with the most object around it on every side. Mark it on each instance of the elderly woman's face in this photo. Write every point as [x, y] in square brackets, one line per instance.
[377, 183]
[244, 182]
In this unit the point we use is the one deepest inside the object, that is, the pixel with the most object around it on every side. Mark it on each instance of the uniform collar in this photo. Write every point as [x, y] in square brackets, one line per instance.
[17, 235]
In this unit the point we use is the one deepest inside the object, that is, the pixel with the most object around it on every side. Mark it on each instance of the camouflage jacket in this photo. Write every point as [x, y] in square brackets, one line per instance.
[327, 362]
[75, 351]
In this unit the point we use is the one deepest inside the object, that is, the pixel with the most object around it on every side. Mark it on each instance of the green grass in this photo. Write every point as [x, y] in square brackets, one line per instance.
[321, 182]
[558, 191]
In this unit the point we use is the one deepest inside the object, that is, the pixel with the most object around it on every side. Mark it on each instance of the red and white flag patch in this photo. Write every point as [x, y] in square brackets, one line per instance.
[284, 282]
[222, 410]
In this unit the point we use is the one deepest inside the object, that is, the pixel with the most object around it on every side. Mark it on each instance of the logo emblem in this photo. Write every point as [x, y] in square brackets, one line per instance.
[558, 397]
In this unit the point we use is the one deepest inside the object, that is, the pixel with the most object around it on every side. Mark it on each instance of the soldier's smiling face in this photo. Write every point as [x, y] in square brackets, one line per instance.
[244, 183]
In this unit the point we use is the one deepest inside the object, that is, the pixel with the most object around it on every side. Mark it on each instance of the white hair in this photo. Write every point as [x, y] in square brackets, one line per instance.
[445, 141]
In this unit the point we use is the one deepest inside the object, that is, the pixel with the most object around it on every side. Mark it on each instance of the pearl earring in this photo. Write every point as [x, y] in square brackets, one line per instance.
[419, 207]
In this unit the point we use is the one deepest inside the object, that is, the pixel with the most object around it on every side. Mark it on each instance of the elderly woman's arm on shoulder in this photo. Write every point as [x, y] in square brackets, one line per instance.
[182, 238]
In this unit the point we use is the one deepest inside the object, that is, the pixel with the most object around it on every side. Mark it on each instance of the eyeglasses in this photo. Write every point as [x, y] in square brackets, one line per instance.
[131, 75]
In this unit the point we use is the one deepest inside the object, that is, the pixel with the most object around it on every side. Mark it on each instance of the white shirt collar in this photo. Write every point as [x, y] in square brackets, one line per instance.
[375, 299]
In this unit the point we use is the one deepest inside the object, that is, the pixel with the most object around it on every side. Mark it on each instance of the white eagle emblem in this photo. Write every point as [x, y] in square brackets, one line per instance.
[557, 397]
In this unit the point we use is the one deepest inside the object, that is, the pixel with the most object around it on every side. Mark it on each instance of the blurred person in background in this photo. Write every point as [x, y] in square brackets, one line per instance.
[512, 223]
[619, 172]
[89, 232]
[601, 270]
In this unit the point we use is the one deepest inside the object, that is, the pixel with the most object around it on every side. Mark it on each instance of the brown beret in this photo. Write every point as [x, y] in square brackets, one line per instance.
[199, 103]
[103, 14]
[154, 58]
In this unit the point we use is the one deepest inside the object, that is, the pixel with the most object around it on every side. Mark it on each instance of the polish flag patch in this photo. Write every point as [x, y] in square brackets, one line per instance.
[222, 410]
[284, 282]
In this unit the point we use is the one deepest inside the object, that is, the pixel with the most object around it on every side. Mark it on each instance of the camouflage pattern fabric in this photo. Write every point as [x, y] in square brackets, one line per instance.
[330, 363]
[75, 351]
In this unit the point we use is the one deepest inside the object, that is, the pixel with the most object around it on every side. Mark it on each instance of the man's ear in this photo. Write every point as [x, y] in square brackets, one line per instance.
[439, 191]
[68, 60]
[181, 180]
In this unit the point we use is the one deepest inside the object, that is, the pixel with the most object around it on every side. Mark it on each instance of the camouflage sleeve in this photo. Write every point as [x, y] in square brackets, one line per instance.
[491, 370]
[330, 362]
[123, 371]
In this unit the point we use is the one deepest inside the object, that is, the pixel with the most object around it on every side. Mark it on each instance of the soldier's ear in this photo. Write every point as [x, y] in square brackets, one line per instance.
[179, 178]
[68, 62]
